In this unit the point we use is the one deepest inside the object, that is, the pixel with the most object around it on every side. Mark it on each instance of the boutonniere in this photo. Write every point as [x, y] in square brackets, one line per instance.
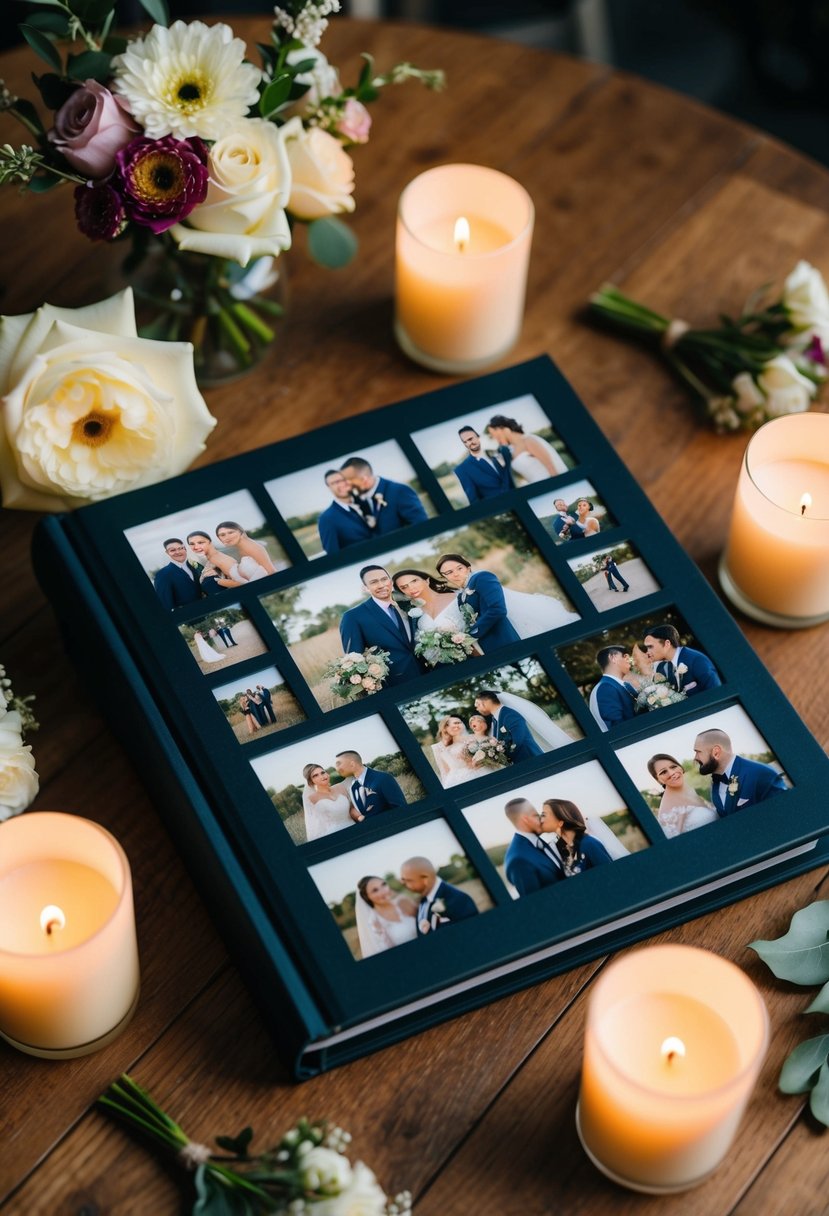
[368, 791]
[439, 907]
[681, 669]
[379, 501]
[416, 609]
[733, 785]
[503, 730]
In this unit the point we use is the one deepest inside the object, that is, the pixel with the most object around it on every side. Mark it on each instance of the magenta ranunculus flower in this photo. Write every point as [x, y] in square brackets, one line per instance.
[162, 180]
[99, 211]
[91, 127]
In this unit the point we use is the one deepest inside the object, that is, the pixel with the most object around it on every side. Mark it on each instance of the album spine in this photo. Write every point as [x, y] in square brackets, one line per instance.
[289, 1010]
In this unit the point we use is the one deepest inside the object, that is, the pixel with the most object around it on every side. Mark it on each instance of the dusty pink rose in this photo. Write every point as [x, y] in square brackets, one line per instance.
[355, 122]
[91, 127]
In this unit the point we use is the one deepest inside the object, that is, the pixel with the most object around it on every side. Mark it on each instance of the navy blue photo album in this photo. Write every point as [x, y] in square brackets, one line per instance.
[434, 706]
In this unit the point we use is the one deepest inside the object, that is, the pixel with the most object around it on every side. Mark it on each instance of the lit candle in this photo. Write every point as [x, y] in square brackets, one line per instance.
[68, 953]
[776, 564]
[674, 1041]
[463, 249]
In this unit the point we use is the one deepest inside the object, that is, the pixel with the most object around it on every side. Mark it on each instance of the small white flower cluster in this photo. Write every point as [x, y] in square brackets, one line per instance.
[310, 23]
[18, 779]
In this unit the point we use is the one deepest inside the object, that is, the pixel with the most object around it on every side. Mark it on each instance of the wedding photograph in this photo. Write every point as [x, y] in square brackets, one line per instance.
[612, 574]
[433, 602]
[338, 779]
[649, 663]
[350, 498]
[259, 705]
[538, 833]
[487, 452]
[222, 639]
[193, 554]
[402, 889]
[692, 775]
[572, 513]
[475, 727]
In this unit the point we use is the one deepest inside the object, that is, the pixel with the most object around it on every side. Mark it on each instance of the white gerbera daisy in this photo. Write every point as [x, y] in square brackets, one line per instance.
[188, 80]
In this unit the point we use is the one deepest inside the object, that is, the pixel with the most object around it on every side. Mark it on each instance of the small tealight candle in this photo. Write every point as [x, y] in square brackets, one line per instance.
[68, 952]
[463, 249]
[776, 565]
[674, 1042]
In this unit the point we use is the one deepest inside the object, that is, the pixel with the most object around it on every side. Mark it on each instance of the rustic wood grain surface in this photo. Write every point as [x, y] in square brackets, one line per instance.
[672, 201]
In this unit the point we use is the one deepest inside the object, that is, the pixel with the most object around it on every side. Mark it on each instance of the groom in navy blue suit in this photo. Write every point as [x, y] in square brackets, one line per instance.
[440, 902]
[689, 671]
[613, 699]
[178, 583]
[735, 781]
[386, 505]
[379, 622]
[483, 593]
[531, 863]
[371, 790]
[342, 523]
[507, 725]
[482, 474]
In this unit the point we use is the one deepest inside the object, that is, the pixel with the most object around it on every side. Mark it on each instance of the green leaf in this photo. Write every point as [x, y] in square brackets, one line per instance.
[41, 45]
[215, 1198]
[28, 113]
[158, 10]
[91, 12]
[802, 954]
[50, 23]
[819, 1101]
[39, 185]
[801, 1069]
[275, 95]
[115, 44]
[821, 1002]
[89, 65]
[304, 65]
[367, 70]
[237, 1144]
[53, 89]
[331, 243]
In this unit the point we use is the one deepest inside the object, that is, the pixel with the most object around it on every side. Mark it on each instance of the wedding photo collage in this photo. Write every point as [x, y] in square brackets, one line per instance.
[532, 676]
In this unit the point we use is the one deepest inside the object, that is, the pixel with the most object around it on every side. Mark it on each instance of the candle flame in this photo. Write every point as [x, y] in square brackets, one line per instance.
[462, 233]
[672, 1048]
[806, 501]
[52, 918]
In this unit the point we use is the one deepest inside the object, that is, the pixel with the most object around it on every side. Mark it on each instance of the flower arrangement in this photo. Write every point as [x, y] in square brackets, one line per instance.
[307, 1171]
[18, 779]
[437, 646]
[175, 140]
[657, 692]
[356, 675]
[767, 362]
[488, 751]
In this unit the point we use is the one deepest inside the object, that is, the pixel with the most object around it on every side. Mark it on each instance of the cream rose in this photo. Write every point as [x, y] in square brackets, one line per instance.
[806, 300]
[786, 391]
[87, 415]
[322, 172]
[243, 215]
[18, 779]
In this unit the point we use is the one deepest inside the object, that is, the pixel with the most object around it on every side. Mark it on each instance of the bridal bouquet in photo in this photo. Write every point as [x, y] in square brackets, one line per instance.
[18, 779]
[307, 1171]
[356, 675]
[437, 646]
[488, 751]
[767, 362]
[657, 692]
[203, 159]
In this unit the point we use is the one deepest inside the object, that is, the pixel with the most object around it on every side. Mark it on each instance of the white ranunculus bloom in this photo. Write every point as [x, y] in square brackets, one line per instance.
[322, 77]
[322, 172]
[325, 1171]
[243, 215]
[806, 299]
[786, 391]
[90, 409]
[362, 1197]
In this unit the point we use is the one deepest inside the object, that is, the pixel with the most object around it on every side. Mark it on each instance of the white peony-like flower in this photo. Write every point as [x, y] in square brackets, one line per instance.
[362, 1197]
[785, 389]
[18, 779]
[87, 415]
[243, 215]
[322, 172]
[323, 78]
[806, 300]
[325, 1171]
[188, 80]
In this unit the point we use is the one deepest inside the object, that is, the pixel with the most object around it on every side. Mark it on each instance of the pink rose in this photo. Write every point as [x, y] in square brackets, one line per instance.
[91, 127]
[355, 122]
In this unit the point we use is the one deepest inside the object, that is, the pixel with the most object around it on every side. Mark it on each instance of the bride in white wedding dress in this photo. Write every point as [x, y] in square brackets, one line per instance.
[681, 809]
[252, 563]
[206, 652]
[533, 458]
[327, 808]
[454, 763]
[383, 918]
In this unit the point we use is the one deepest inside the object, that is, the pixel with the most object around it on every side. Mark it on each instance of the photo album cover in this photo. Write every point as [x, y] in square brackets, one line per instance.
[434, 706]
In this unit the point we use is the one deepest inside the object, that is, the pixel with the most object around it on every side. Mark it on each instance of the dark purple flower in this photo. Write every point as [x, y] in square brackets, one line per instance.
[162, 180]
[815, 351]
[99, 211]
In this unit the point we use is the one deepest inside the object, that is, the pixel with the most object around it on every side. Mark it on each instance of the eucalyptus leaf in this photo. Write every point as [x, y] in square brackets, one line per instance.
[91, 12]
[304, 65]
[89, 65]
[158, 10]
[331, 243]
[41, 45]
[821, 1002]
[802, 954]
[819, 1101]
[50, 23]
[801, 1068]
[275, 95]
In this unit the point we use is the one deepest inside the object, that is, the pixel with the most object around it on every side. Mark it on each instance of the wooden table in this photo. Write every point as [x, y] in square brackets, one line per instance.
[682, 207]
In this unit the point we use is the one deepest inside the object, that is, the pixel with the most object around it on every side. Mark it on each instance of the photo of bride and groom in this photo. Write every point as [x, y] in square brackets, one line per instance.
[258, 705]
[350, 499]
[704, 770]
[216, 642]
[351, 775]
[572, 513]
[493, 450]
[193, 554]
[539, 833]
[402, 889]
[473, 728]
[611, 574]
[444, 599]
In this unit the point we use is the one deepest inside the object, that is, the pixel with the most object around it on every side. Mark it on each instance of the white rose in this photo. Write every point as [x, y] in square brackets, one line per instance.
[18, 779]
[786, 391]
[322, 172]
[806, 299]
[747, 395]
[363, 1197]
[322, 77]
[87, 416]
[325, 1171]
[243, 215]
